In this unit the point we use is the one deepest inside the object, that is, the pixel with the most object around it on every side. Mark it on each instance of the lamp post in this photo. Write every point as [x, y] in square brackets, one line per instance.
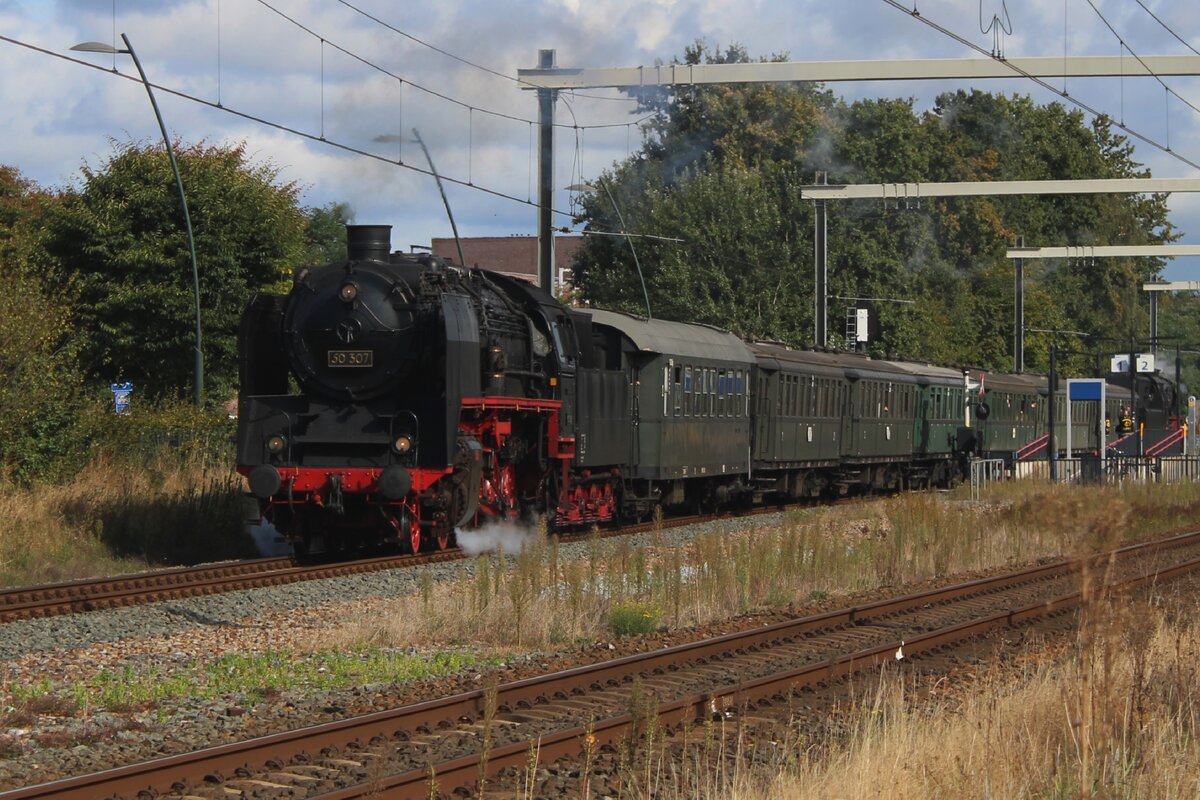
[101, 47]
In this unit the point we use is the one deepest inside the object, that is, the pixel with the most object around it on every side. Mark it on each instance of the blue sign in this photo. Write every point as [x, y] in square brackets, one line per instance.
[121, 392]
[1085, 390]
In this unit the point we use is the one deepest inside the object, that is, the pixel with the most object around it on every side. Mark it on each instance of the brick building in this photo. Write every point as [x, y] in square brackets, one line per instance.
[512, 255]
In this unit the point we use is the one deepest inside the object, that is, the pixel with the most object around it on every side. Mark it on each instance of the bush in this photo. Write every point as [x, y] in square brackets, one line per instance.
[633, 618]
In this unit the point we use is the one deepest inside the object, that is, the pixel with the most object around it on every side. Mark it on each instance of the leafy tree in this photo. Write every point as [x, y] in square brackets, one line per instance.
[325, 233]
[122, 247]
[722, 167]
[744, 124]
[39, 376]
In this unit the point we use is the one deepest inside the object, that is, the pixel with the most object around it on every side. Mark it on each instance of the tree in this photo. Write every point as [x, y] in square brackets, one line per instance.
[39, 376]
[122, 248]
[325, 233]
[721, 169]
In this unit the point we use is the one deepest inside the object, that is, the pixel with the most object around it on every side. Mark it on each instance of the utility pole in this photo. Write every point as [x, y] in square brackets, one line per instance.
[821, 268]
[545, 194]
[1052, 381]
[1019, 325]
[1133, 396]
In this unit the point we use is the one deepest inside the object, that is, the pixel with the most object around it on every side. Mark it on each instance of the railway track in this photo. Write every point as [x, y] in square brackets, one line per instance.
[438, 746]
[74, 597]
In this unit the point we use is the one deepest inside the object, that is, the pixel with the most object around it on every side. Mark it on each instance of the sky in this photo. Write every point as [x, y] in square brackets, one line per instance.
[306, 83]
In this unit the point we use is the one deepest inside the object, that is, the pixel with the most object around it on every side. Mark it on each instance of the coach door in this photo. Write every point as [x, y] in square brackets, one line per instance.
[764, 424]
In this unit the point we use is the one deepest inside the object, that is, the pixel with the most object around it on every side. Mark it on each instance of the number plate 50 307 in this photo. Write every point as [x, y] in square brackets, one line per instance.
[351, 358]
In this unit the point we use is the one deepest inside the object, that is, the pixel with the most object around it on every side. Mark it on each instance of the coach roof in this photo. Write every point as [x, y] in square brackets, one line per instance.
[676, 338]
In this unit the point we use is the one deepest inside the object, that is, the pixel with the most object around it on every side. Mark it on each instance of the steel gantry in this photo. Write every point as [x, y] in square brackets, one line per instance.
[548, 79]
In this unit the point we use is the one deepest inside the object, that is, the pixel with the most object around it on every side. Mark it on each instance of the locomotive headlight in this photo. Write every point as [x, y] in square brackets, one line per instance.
[402, 445]
[276, 444]
[348, 292]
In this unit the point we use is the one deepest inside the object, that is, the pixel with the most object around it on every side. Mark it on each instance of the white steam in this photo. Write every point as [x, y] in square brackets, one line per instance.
[270, 542]
[506, 537]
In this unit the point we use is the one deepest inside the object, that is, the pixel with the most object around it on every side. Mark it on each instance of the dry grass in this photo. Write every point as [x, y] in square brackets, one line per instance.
[1118, 719]
[535, 599]
[119, 517]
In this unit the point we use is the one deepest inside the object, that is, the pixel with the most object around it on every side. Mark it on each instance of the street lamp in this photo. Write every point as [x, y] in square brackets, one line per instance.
[587, 187]
[101, 47]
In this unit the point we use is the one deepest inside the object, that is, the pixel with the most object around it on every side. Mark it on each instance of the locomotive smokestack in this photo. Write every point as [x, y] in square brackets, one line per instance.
[369, 242]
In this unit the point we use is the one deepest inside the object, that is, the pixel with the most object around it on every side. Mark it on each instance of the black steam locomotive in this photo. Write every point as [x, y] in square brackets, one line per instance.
[396, 398]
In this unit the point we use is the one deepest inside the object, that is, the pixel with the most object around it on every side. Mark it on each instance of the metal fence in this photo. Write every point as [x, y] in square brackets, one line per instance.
[1115, 469]
[1118, 469]
[985, 471]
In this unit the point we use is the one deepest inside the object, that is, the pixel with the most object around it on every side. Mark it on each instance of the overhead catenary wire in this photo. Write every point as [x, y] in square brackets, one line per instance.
[1125, 45]
[270, 124]
[1167, 28]
[465, 61]
[925, 20]
[385, 71]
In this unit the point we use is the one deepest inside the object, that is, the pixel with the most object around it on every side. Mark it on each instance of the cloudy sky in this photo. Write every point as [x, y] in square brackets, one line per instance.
[306, 69]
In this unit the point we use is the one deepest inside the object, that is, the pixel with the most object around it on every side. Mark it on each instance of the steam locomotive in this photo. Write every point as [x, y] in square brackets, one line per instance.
[396, 398]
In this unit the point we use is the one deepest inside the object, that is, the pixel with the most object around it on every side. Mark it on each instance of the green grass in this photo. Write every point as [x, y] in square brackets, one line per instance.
[247, 678]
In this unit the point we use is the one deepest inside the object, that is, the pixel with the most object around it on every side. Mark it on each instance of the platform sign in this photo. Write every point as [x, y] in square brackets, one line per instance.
[1088, 390]
[1120, 362]
[862, 322]
[121, 392]
[1085, 390]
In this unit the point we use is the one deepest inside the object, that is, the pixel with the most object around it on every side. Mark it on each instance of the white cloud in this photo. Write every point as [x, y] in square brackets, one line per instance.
[59, 114]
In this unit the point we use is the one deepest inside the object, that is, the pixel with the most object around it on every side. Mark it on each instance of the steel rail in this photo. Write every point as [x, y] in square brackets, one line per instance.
[197, 766]
[44, 599]
[93, 594]
[463, 772]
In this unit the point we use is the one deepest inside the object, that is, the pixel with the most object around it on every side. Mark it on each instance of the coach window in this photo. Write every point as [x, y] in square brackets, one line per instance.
[678, 386]
[687, 391]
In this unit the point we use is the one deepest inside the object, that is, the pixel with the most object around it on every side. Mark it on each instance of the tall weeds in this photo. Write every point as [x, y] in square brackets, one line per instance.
[535, 599]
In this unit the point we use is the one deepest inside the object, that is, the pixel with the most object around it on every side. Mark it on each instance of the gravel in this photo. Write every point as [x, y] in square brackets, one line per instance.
[40, 742]
[233, 608]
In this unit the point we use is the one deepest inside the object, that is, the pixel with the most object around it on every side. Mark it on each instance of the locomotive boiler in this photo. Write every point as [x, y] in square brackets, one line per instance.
[395, 397]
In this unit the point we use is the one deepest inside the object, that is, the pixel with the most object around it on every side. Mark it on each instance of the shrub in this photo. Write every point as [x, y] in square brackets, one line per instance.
[633, 617]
